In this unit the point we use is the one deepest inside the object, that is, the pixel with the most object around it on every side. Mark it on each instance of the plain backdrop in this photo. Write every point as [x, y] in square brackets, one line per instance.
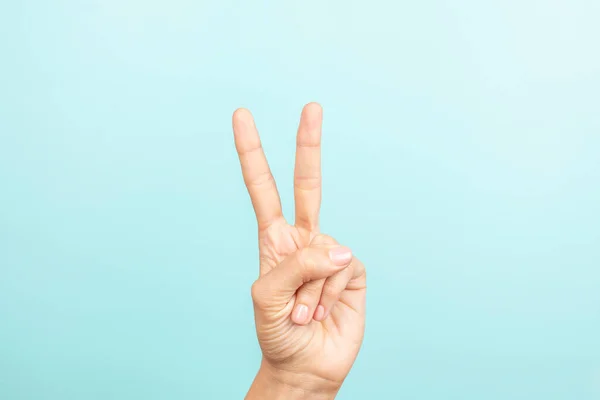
[461, 156]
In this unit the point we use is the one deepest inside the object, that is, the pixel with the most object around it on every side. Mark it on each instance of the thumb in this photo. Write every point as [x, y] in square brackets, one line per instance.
[279, 285]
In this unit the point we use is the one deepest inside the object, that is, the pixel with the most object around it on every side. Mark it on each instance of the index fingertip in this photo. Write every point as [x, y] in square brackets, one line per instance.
[313, 107]
[241, 114]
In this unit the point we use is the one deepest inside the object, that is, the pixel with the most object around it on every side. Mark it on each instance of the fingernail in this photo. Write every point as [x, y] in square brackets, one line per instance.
[340, 255]
[319, 313]
[300, 313]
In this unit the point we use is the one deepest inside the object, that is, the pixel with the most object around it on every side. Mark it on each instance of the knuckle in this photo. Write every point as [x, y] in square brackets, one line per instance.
[323, 240]
[257, 292]
[310, 290]
[307, 263]
[330, 292]
[307, 183]
[311, 221]
[262, 179]
[358, 268]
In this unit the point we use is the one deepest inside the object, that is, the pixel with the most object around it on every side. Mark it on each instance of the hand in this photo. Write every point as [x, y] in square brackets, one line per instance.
[309, 300]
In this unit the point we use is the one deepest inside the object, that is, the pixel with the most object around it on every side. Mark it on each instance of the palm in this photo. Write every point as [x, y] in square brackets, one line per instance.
[335, 340]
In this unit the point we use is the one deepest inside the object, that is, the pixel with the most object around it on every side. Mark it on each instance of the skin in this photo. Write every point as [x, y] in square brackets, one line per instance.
[309, 299]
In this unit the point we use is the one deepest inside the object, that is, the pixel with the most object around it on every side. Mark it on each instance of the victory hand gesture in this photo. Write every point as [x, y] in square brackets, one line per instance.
[309, 299]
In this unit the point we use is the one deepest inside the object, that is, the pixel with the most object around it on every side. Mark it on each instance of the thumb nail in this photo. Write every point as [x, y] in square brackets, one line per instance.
[340, 255]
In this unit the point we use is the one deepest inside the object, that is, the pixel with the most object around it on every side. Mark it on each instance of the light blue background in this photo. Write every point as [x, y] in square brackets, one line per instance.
[461, 163]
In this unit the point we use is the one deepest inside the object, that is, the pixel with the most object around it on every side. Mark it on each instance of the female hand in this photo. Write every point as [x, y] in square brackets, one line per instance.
[309, 299]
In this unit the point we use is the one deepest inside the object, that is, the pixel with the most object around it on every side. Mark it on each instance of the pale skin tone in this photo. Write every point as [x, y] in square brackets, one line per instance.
[309, 299]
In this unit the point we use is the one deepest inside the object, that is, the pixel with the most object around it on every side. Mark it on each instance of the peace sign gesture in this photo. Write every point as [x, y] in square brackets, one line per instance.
[309, 299]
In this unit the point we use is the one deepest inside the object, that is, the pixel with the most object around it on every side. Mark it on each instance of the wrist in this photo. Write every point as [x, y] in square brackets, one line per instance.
[272, 383]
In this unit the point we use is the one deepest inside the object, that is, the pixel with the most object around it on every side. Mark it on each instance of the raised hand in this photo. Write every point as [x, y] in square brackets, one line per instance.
[309, 299]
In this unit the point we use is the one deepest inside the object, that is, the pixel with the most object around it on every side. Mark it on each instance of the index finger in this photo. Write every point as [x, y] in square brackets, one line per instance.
[255, 169]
